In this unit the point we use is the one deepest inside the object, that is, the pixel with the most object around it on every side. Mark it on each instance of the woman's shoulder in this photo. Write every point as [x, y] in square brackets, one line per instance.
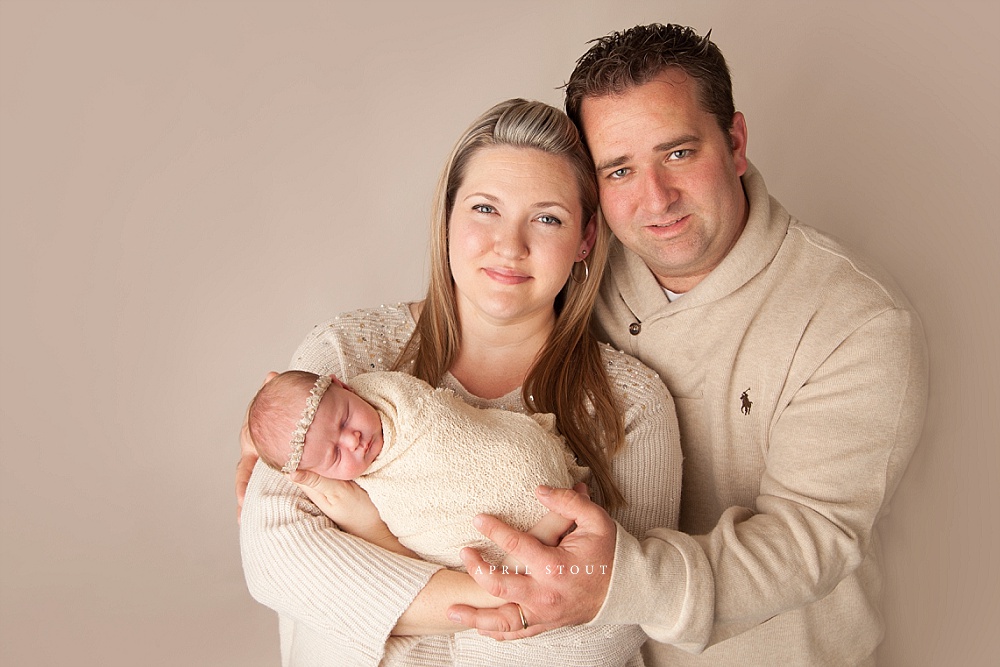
[356, 341]
[385, 320]
[633, 381]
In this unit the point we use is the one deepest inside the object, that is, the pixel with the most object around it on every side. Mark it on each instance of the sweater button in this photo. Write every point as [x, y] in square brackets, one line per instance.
[634, 328]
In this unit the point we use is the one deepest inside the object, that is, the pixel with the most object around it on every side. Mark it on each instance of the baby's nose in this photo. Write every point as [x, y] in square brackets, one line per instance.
[355, 440]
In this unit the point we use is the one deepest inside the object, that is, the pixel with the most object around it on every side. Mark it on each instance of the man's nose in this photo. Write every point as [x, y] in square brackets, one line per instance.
[659, 191]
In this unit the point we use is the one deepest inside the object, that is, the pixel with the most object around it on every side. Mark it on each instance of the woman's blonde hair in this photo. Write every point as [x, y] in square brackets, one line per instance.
[568, 372]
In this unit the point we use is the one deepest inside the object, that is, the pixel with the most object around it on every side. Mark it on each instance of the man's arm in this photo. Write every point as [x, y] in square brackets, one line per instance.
[835, 456]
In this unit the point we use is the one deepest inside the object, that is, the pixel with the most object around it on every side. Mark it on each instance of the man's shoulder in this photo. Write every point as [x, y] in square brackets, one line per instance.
[819, 261]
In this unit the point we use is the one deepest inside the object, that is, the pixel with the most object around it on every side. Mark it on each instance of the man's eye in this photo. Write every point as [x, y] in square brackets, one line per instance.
[618, 173]
[679, 154]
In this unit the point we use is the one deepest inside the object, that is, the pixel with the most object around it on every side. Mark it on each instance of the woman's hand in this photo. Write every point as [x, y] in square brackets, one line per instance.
[248, 458]
[349, 506]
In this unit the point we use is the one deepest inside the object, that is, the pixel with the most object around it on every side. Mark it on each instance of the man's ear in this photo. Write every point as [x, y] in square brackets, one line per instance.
[738, 141]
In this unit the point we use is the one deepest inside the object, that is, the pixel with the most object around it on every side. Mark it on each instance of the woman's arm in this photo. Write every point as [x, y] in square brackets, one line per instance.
[349, 506]
[648, 468]
[248, 459]
[428, 613]
[297, 563]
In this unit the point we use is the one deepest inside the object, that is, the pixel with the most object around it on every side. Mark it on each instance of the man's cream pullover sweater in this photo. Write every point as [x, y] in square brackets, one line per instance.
[800, 378]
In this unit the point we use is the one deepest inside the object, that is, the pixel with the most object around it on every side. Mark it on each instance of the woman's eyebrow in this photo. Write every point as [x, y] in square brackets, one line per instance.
[484, 195]
[549, 204]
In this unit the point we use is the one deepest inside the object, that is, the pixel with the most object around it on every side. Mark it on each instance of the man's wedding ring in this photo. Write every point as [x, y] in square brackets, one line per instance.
[524, 622]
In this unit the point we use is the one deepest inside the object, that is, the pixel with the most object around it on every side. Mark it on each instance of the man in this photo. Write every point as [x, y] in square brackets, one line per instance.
[799, 374]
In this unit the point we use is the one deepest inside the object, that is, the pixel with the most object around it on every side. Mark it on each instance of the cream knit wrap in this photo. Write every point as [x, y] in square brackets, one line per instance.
[444, 461]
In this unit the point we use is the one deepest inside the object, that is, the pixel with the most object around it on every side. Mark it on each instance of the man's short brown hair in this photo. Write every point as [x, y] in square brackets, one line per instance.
[633, 57]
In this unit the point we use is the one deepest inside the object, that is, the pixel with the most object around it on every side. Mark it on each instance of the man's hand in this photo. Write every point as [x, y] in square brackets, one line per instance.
[549, 530]
[564, 585]
[248, 458]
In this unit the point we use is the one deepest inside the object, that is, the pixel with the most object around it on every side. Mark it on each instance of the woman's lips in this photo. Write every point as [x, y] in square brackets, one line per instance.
[506, 276]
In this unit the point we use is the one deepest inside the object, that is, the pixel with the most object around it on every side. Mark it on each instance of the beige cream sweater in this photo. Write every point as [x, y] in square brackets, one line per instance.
[778, 562]
[338, 597]
[444, 461]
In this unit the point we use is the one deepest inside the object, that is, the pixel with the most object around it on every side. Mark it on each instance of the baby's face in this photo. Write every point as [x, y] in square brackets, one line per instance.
[345, 437]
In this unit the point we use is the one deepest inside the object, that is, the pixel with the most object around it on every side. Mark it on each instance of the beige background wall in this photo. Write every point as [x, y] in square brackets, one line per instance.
[187, 187]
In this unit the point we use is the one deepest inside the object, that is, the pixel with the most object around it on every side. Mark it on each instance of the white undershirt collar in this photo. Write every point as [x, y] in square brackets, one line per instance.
[672, 296]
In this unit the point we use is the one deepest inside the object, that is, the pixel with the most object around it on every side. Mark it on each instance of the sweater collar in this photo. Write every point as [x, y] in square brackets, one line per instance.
[766, 226]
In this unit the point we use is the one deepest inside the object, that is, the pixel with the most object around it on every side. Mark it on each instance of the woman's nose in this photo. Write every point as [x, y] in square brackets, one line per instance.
[509, 242]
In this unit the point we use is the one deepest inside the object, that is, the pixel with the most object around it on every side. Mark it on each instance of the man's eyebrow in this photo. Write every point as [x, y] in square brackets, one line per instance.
[668, 146]
[665, 147]
[614, 162]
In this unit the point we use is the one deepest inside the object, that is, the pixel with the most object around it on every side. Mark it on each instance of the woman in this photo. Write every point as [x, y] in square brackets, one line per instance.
[517, 256]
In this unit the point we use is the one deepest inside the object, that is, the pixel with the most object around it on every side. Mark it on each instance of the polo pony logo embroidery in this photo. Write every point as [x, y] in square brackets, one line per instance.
[745, 400]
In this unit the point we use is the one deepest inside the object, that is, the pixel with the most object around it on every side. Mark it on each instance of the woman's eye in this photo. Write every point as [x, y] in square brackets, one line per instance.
[549, 219]
[484, 208]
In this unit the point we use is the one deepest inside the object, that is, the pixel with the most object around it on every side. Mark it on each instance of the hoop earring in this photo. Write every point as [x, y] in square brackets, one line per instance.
[586, 272]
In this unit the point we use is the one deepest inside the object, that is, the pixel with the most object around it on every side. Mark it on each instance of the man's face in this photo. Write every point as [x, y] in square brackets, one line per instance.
[669, 177]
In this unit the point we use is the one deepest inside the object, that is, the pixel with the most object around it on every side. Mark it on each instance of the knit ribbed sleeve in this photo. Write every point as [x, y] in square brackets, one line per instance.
[297, 563]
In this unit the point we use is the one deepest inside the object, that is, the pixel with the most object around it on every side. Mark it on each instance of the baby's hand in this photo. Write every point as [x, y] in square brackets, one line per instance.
[349, 506]
[342, 500]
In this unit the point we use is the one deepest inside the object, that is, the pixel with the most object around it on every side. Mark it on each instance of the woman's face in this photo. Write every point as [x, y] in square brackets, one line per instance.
[514, 232]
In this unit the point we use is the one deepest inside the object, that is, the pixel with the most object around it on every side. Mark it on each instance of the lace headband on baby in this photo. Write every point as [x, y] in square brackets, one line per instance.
[308, 414]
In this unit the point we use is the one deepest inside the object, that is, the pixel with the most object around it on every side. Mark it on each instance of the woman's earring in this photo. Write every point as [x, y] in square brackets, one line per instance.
[586, 272]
